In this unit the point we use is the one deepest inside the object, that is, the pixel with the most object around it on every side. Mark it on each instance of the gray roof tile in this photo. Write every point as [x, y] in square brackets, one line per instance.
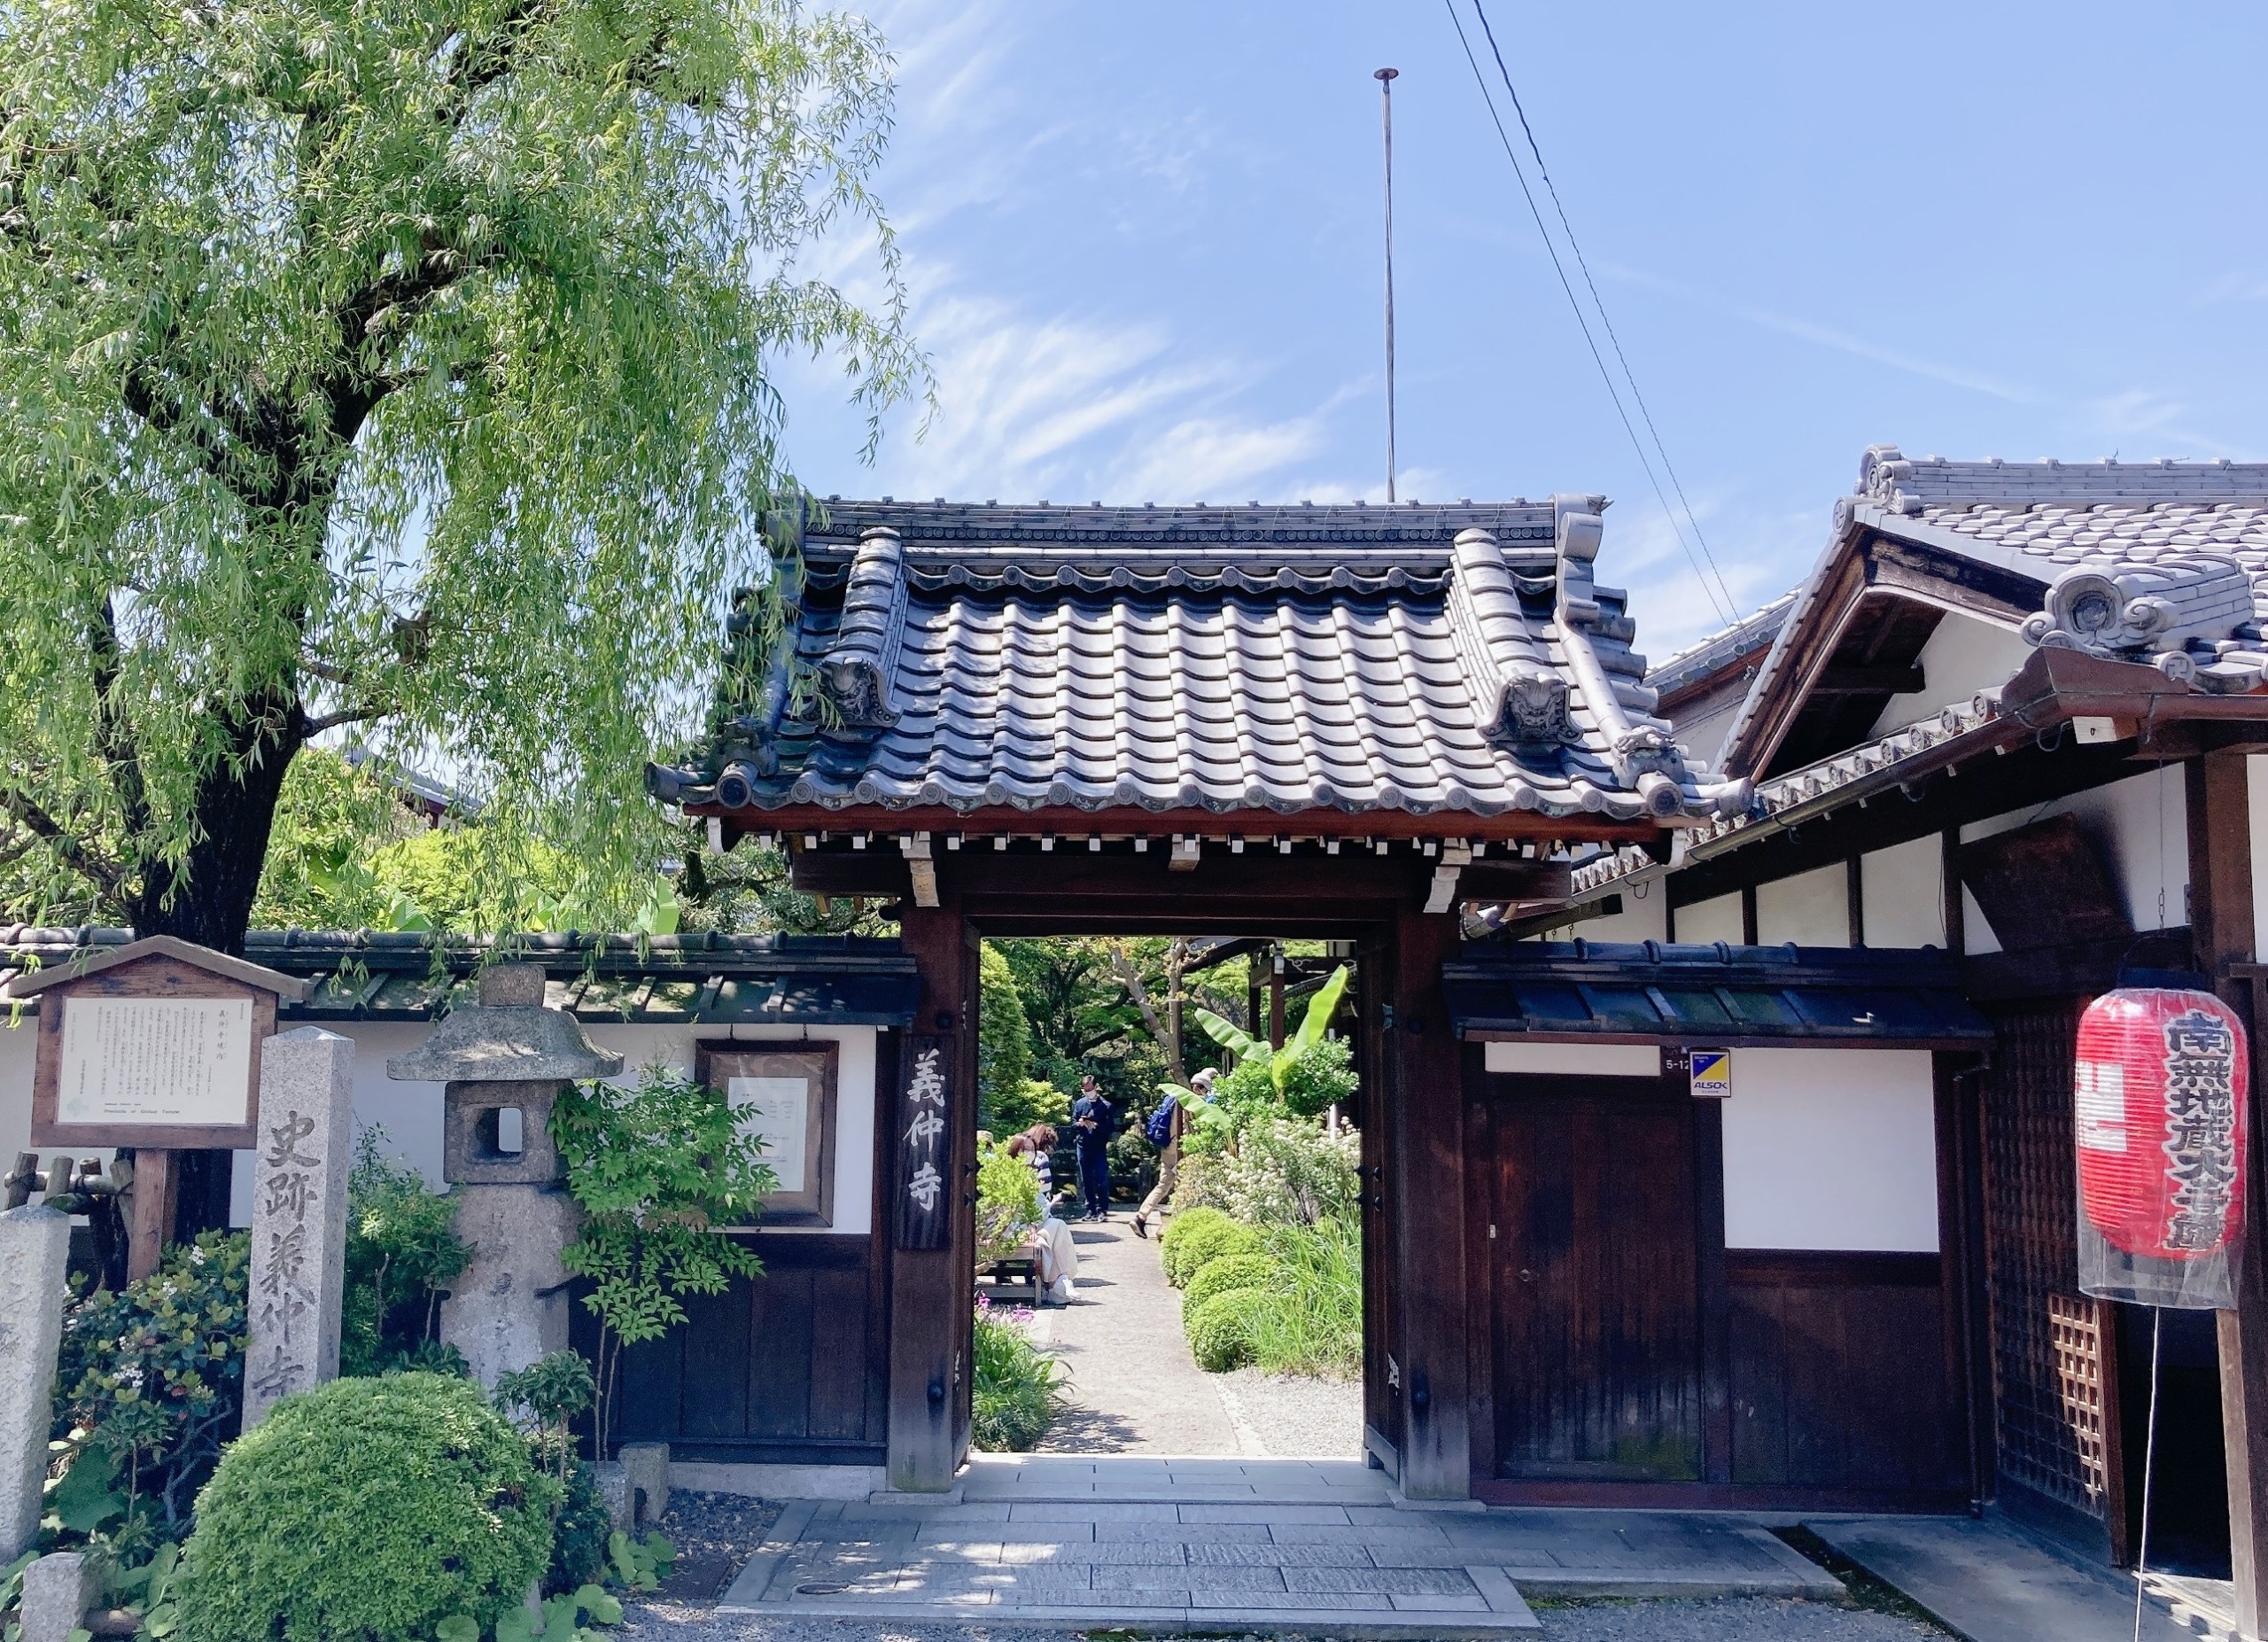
[1277, 660]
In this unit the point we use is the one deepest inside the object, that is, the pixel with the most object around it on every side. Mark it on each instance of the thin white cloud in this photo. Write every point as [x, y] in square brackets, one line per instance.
[1830, 337]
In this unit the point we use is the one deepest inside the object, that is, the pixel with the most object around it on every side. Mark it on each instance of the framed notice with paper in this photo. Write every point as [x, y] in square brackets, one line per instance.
[786, 1095]
[154, 1044]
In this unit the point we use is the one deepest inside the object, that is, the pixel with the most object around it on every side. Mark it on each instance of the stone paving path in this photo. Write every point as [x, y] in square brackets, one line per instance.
[1209, 1564]
[1993, 1583]
[1172, 1480]
[1135, 1389]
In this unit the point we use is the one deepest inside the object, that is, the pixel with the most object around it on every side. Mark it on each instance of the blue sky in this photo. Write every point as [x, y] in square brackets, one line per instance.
[1142, 243]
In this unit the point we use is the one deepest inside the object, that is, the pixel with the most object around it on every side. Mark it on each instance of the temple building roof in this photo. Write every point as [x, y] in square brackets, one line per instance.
[1431, 660]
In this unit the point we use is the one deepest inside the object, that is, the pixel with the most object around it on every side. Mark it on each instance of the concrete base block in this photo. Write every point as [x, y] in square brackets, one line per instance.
[57, 1591]
[647, 1466]
[779, 1482]
[613, 1482]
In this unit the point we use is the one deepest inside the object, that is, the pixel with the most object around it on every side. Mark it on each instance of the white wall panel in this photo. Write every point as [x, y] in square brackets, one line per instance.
[1961, 658]
[2256, 782]
[1902, 894]
[1575, 1059]
[1811, 909]
[1717, 920]
[1831, 1148]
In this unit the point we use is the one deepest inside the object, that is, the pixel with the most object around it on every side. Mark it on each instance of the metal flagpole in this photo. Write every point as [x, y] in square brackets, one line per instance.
[1386, 78]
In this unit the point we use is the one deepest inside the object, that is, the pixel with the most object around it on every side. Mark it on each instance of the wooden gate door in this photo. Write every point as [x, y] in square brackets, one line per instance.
[1381, 1313]
[1596, 1334]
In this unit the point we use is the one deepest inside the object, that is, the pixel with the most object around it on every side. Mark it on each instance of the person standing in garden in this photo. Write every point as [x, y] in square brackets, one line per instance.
[1164, 1131]
[1094, 1119]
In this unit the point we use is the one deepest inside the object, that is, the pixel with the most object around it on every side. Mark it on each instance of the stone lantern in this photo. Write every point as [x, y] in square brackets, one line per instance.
[503, 1063]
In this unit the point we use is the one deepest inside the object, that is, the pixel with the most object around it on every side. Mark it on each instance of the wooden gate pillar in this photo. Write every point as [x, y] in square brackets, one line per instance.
[1425, 1150]
[932, 1240]
[2221, 928]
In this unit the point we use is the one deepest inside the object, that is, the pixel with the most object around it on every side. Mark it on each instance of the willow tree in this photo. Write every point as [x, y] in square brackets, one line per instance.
[400, 365]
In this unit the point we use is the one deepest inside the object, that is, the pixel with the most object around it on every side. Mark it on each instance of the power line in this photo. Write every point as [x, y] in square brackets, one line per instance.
[1582, 321]
[1599, 302]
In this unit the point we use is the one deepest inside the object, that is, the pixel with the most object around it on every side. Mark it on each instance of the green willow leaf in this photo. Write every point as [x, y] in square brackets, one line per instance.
[407, 369]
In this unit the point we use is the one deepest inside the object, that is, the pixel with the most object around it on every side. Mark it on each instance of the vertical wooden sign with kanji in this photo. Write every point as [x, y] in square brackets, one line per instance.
[925, 1149]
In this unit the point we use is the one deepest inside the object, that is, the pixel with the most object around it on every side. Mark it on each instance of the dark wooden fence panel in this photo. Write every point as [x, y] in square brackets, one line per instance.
[1839, 1377]
[789, 1367]
[1596, 1336]
[2056, 1388]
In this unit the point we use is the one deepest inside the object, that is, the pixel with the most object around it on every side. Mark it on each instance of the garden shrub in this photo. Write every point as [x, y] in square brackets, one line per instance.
[367, 1511]
[1234, 1270]
[1201, 1182]
[403, 1251]
[1019, 1387]
[1172, 1242]
[580, 1536]
[1292, 1173]
[1007, 1204]
[149, 1382]
[1220, 1330]
[1209, 1242]
[1314, 1324]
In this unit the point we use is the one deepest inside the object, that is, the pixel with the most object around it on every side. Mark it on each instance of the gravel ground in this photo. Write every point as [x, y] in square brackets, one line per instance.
[1744, 1619]
[714, 1534]
[1295, 1418]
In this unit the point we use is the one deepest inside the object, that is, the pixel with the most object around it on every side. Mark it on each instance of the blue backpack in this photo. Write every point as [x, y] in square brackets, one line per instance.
[1159, 1130]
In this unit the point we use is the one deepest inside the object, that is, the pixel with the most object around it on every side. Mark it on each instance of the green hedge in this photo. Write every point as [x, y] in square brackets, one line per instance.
[1209, 1242]
[1185, 1224]
[1225, 1272]
[367, 1511]
[1220, 1330]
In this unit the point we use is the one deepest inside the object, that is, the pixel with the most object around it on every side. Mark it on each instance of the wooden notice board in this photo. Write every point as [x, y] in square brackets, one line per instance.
[156, 1045]
[785, 1093]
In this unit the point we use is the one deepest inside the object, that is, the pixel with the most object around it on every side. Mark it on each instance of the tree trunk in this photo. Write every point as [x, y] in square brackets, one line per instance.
[207, 896]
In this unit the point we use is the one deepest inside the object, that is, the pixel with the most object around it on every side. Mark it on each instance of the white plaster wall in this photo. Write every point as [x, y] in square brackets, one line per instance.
[411, 1112]
[1711, 921]
[2256, 783]
[17, 1045]
[1575, 1059]
[1961, 658]
[2139, 826]
[1703, 736]
[1901, 894]
[1811, 909]
[1831, 1148]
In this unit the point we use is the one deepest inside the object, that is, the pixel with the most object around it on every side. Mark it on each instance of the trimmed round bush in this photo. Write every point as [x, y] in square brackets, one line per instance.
[1220, 1330]
[367, 1511]
[1209, 1242]
[1185, 1224]
[1225, 1272]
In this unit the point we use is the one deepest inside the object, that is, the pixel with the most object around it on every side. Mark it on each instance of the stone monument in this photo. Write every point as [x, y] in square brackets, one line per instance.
[35, 1254]
[298, 1216]
[503, 1063]
[59, 1589]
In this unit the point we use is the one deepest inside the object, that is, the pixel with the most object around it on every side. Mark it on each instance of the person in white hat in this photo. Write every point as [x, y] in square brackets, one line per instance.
[1170, 1154]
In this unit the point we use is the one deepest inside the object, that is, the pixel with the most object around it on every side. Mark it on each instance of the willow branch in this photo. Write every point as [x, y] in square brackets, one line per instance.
[67, 847]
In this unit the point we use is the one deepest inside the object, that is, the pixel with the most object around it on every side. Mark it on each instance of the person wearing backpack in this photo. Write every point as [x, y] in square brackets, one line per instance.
[1163, 1131]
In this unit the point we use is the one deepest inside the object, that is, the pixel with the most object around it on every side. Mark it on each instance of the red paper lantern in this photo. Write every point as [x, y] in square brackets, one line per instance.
[2160, 1121]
